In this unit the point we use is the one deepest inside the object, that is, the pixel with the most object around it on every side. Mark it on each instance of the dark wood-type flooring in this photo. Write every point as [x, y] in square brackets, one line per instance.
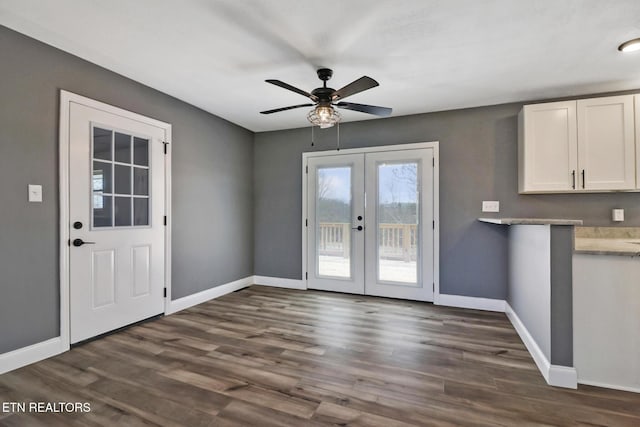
[277, 357]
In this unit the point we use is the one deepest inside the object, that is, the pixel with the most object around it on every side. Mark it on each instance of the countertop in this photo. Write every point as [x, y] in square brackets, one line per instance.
[608, 241]
[604, 246]
[531, 221]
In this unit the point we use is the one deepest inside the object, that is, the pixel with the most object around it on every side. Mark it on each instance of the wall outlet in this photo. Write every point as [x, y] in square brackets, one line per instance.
[35, 193]
[617, 215]
[490, 206]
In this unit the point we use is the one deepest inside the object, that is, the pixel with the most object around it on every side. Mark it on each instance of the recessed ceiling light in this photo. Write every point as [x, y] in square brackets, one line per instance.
[630, 46]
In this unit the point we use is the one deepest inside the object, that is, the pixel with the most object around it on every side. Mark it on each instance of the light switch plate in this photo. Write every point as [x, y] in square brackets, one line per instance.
[617, 215]
[35, 193]
[490, 206]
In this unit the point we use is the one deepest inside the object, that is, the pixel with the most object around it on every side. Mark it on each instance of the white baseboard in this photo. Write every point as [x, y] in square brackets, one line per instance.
[279, 282]
[534, 349]
[555, 375]
[476, 303]
[563, 376]
[27, 355]
[208, 294]
[613, 386]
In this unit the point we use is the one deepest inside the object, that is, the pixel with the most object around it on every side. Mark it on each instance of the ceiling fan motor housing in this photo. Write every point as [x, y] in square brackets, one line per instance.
[324, 95]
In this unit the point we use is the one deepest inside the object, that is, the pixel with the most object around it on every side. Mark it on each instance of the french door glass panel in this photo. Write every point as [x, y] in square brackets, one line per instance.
[336, 209]
[333, 221]
[398, 241]
[399, 214]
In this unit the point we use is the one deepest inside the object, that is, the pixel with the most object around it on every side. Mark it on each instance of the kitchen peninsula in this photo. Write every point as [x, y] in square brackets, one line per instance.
[539, 299]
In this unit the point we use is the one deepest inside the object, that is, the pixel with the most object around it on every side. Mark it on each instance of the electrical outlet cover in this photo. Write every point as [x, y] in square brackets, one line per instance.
[490, 206]
[617, 215]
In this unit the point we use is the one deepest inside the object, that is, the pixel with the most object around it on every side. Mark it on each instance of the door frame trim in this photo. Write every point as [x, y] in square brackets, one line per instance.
[435, 145]
[66, 98]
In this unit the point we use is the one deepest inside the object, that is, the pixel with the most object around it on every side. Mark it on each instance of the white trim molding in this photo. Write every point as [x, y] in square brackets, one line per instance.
[476, 303]
[34, 353]
[208, 294]
[563, 376]
[555, 375]
[278, 282]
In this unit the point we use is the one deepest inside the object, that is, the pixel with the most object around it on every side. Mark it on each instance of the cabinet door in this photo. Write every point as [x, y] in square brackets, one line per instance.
[548, 147]
[606, 147]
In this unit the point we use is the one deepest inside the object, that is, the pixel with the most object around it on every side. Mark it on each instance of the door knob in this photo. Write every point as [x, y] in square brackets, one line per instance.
[80, 242]
[359, 228]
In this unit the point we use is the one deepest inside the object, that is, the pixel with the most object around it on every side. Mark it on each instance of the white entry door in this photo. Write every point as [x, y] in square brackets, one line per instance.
[116, 221]
[371, 220]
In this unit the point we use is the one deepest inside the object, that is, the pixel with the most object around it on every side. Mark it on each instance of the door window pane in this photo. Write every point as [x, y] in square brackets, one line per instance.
[101, 177]
[101, 144]
[141, 151]
[123, 179]
[141, 181]
[140, 211]
[102, 212]
[123, 148]
[123, 211]
[333, 221]
[398, 228]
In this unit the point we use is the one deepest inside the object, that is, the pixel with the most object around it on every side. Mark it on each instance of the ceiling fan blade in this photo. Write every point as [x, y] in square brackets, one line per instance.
[292, 88]
[370, 109]
[362, 84]
[276, 110]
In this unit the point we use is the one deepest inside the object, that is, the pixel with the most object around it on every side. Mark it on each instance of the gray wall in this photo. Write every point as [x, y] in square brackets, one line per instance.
[212, 184]
[562, 295]
[478, 161]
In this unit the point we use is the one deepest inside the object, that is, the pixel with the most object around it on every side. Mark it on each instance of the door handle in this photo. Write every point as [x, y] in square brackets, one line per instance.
[583, 181]
[359, 228]
[80, 242]
[573, 178]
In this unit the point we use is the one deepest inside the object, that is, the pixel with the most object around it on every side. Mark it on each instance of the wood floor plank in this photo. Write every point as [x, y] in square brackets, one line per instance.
[276, 357]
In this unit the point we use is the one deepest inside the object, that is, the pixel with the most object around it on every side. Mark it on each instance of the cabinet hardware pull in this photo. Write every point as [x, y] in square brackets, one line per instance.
[583, 178]
[573, 179]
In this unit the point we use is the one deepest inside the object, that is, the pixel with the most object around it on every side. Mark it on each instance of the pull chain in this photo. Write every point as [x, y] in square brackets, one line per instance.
[312, 142]
[338, 149]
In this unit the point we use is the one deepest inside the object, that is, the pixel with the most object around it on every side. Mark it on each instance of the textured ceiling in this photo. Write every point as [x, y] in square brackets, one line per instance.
[427, 55]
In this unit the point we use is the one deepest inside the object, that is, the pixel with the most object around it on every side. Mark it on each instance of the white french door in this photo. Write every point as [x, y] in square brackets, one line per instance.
[336, 223]
[371, 223]
[116, 221]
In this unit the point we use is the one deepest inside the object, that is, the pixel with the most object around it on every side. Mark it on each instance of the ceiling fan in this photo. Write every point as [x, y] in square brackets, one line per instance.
[326, 98]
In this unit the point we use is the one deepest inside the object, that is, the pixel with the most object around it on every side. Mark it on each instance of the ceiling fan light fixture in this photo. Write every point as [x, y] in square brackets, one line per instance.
[324, 116]
[630, 46]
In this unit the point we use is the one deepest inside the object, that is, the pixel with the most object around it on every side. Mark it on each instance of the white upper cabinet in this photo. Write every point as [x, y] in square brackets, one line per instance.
[606, 143]
[548, 147]
[578, 146]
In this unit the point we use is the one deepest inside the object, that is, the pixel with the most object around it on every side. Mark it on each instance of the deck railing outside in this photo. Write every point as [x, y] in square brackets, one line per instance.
[397, 241]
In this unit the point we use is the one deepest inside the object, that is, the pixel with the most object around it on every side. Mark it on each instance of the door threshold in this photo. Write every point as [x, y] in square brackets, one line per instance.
[115, 331]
